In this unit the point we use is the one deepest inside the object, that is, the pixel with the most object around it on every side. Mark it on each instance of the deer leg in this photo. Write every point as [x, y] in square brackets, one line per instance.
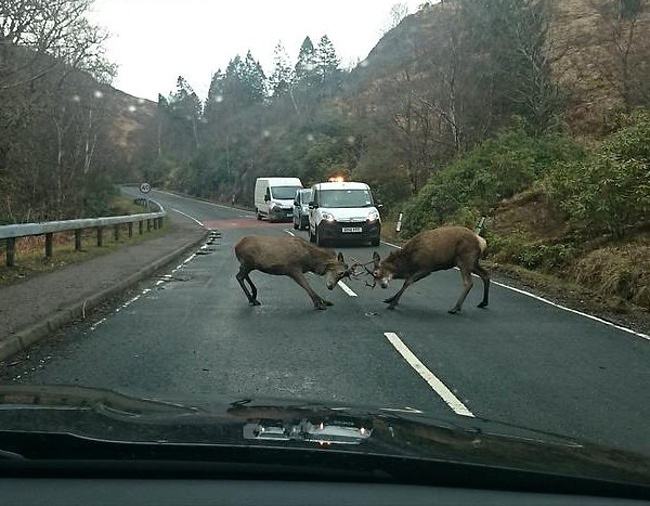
[255, 302]
[319, 302]
[466, 275]
[241, 276]
[485, 276]
[394, 300]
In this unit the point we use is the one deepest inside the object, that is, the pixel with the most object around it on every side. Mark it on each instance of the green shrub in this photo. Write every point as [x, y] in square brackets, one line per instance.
[516, 248]
[611, 189]
[493, 171]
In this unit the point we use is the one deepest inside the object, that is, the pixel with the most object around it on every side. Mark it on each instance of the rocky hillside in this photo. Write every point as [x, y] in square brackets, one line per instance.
[591, 46]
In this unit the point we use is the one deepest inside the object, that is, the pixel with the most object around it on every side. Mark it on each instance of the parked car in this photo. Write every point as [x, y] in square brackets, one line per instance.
[274, 197]
[301, 209]
[343, 211]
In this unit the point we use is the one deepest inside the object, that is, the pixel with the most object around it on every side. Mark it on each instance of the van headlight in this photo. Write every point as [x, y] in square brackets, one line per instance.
[373, 216]
[328, 216]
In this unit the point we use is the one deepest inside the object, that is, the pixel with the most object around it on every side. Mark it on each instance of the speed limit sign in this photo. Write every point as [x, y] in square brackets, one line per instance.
[145, 188]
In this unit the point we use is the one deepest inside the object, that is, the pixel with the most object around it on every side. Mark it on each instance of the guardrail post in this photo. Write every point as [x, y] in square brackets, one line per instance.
[149, 225]
[155, 223]
[49, 239]
[77, 240]
[130, 229]
[11, 251]
[116, 233]
[100, 237]
[161, 221]
[141, 227]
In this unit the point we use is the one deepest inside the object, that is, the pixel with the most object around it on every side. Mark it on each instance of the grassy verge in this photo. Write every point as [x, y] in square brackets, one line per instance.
[30, 251]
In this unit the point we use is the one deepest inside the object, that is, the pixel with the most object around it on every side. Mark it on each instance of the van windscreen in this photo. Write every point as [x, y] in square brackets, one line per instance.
[345, 198]
[284, 192]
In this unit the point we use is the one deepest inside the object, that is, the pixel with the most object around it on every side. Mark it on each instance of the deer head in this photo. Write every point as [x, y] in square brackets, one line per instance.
[335, 271]
[382, 272]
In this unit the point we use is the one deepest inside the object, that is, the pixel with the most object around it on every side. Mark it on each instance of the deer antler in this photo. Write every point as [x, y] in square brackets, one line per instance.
[353, 273]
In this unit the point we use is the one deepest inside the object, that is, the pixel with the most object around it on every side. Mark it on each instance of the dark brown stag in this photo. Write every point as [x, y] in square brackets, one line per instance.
[435, 250]
[288, 256]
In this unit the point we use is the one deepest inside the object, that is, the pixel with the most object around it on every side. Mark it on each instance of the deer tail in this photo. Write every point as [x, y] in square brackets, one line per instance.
[482, 244]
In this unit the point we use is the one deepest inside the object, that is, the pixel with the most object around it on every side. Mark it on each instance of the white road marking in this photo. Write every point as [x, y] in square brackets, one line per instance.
[559, 306]
[438, 386]
[188, 216]
[198, 201]
[290, 233]
[391, 245]
[347, 289]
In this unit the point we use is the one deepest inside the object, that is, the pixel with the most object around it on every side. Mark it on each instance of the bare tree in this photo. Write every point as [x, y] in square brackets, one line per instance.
[626, 46]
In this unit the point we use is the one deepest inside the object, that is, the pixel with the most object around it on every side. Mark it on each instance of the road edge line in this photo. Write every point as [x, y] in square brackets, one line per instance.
[24, 338]
[559, 306]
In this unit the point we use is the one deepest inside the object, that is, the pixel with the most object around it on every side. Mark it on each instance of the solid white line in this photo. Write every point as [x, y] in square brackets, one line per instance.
[347, 289]
[586, 315]
[559, 306]
[391, 245]
[438, 386]
[188, 216]
[290, 233]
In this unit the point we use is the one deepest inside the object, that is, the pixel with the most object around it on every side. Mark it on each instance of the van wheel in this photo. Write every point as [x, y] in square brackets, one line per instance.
[259, 216]
[319, 239]
[295, 225]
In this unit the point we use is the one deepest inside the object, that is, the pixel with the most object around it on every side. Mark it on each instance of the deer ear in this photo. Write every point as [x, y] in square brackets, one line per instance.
[340, 257]
[376, 258]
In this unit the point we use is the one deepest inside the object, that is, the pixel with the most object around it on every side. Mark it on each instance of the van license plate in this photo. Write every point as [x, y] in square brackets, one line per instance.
[352, 230]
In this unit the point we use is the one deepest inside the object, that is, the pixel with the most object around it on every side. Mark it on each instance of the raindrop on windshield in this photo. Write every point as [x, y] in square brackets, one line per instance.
[310, 137]
[76, 98]
[364, 63]
[132, 108]
[266, 133]
[351, 139]
[218, 99]
[98, 94]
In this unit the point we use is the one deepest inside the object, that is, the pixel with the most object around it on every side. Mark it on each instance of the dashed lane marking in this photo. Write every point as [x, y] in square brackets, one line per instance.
[438, 386]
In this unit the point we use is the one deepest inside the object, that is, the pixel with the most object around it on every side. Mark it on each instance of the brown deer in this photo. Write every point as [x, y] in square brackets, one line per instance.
[435, 250]
[288, 256]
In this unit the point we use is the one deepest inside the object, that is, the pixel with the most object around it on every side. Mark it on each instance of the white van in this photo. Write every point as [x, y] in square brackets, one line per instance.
[274, 197]
[341, 211]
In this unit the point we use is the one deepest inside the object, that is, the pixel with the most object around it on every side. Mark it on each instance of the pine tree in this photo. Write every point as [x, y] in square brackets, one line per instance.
[215, 95]
[253, 79]
[282, 77]
[327, 62]
[306, 64]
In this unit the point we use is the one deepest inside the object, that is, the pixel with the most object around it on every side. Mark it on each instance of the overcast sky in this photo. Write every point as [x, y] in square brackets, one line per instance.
[155, 41]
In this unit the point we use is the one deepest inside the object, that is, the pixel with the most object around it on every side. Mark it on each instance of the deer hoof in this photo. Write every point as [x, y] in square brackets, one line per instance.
[455, 310]
[320, 307]
[328, 303]
[483, 305]
[255, 303]
[389, 301]
[391, 307]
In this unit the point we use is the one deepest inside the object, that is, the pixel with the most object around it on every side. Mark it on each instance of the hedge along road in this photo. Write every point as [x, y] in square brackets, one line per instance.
[191, 335]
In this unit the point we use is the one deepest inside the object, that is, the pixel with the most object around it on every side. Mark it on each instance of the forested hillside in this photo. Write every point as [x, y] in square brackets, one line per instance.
[65, 134]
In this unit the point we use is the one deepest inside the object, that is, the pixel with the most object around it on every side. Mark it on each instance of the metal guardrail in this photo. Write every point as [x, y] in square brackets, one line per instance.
[12, 232]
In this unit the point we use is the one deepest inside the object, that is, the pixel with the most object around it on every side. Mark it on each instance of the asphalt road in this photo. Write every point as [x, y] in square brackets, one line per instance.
[192, 335]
